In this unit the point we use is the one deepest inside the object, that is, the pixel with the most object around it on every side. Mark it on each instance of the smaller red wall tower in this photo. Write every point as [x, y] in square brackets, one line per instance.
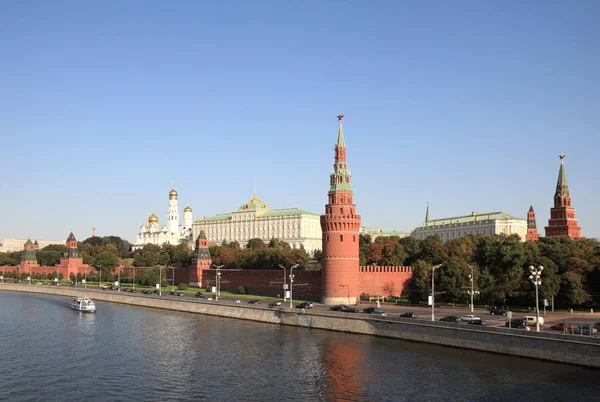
[201, 261]
[532, 233]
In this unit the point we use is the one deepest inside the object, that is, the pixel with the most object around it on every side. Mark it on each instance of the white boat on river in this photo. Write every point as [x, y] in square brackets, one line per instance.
[84, 304]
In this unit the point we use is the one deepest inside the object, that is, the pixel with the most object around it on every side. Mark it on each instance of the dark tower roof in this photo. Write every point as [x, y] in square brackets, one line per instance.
[562, 186]
[202, 235]
[201, 252]
[71, 237]
[531, 208]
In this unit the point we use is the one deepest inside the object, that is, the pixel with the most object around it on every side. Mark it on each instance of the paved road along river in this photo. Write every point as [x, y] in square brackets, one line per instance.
[52, 353]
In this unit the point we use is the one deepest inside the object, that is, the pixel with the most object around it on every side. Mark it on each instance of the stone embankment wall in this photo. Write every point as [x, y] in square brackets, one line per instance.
[579, 350]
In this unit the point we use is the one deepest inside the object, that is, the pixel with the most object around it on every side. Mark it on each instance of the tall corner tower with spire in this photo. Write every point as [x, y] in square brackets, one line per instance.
[532, 233]
[340, 225]
[562, 220]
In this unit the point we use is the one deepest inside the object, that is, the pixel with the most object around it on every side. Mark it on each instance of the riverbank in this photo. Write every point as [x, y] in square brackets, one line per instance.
[582, 351]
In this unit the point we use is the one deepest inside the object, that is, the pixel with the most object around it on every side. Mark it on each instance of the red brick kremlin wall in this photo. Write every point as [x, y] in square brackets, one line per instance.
[61, 269]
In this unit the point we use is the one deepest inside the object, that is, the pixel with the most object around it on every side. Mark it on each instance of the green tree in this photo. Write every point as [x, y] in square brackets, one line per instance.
[256, 244]
[453, 280]
[431, 250]
[573, 289]
[151, 255]
[412, 248]
[418, 285]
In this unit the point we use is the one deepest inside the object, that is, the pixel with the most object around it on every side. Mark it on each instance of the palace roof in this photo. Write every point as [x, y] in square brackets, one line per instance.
[473, 217]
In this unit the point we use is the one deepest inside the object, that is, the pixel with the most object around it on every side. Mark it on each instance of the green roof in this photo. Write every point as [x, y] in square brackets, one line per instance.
[341, 142]
[259, 214]
[28, 242]
[469, 218]
[283, 212]
[253, 204]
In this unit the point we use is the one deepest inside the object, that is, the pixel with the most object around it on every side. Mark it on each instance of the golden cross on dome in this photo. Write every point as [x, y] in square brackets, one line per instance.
[562, 157]
[340, 117]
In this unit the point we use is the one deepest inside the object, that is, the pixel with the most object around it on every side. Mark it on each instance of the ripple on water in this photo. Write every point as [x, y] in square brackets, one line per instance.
[51, 353]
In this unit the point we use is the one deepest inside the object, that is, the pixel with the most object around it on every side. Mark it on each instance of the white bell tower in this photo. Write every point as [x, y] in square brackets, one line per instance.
[173, 215]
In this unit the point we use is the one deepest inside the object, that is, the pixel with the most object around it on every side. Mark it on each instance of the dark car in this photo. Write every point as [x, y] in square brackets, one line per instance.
[199, 294]
[174, 293]
[254, 302]
[350, 310]
[124, 289]
[275, 304]
[372, 310]
[497, 311]
[304, 305]
[147, 292]
[73, 285]
[516, 323]
[133, 291]
[113, 287]
[341, 307]
[477, 322]
[408, 315]
[451, 318]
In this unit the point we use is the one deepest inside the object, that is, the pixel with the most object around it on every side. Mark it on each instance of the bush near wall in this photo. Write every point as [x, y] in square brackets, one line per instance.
[183, 286]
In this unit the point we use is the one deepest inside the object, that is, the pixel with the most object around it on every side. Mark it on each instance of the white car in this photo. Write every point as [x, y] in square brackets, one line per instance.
[469, 318]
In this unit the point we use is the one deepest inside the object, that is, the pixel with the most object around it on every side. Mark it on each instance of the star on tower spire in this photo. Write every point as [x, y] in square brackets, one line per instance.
[341, 142]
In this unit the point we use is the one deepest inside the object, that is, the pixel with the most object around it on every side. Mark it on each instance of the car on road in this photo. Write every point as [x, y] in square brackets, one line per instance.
[561, 326]
[132, 290]
[254, 302]
[73, 285]
[516, 323]
[450, 318]
[199, 294]
[583, 330]
[340, 307]
[477, 322]
[350, 310]
[275, 304]
[409, 314]
[124, 289]
[147, 292]
[306, 305]
[379, 312]
[174, 293]
[469, 318]
[497, 311]
[374, 310]
[531, 320]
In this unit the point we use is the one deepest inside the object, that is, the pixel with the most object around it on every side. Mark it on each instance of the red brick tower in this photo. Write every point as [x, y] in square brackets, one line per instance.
[200, 261]
[562, 220]
[532, 233]
[29, 257]
[71, 259]
[340, 225]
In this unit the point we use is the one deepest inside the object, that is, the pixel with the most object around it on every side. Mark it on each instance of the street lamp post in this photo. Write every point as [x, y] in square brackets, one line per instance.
[536, 279]
[433, 291]
[378, 303]
[218, 281]
[292, 282]
[160, 279]
[46, 275]
[471, 278]
[100, 269]
[284, 281]
[133, 278]
[119, 279]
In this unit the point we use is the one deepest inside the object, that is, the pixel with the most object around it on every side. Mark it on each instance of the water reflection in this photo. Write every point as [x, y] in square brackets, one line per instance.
[126, 353]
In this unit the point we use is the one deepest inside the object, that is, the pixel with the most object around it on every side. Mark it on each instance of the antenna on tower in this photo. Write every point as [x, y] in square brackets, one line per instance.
[173, 184]
[255, 186]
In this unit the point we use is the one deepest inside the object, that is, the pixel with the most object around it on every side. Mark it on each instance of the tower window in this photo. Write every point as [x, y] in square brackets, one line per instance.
[341, 237]
[341, 210]
[327, 238]
[354, 238]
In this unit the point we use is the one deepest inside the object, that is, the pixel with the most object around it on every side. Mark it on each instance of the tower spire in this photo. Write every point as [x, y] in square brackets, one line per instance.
[427, 213]
[341, 142]
[562, 220]
[562, 186]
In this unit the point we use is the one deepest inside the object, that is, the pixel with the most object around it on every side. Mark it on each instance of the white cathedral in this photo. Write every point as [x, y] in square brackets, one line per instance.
[171, 232]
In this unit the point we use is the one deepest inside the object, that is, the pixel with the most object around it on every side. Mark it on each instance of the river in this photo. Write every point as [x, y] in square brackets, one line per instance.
[52, 353]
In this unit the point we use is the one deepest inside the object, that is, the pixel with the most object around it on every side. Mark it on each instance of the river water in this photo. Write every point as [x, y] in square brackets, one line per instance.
[52, 353]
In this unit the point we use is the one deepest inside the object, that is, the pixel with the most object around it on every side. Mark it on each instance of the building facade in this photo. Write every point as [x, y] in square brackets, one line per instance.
[562, 220]
[341, 226]
[474, 224]
[169, 233]
[10, 245]
[255, 220]
[379, 232]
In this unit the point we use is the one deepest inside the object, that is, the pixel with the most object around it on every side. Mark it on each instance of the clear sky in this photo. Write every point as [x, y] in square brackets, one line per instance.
[465, 104]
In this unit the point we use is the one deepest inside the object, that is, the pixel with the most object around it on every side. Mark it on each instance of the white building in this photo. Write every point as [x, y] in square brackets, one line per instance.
[10, 245]
[473, 224]
[171, 232]
[254, 219]
[379, 232]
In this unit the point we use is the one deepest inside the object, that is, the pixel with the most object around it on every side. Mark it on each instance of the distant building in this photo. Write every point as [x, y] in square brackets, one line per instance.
[532, 233]
[255, 220]
[10, 245]
[562, 220]
[474, 224]
[171, 232]
[379, 232]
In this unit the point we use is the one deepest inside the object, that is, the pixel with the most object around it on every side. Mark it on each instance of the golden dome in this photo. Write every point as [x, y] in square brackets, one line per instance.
[187, 209]
[173, 194]
[153, 218]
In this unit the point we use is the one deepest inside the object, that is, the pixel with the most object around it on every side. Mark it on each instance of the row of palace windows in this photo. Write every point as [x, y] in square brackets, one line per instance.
[341, 238]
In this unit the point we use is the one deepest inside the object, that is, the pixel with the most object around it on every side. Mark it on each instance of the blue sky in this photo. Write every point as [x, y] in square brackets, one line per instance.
[464, 104]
